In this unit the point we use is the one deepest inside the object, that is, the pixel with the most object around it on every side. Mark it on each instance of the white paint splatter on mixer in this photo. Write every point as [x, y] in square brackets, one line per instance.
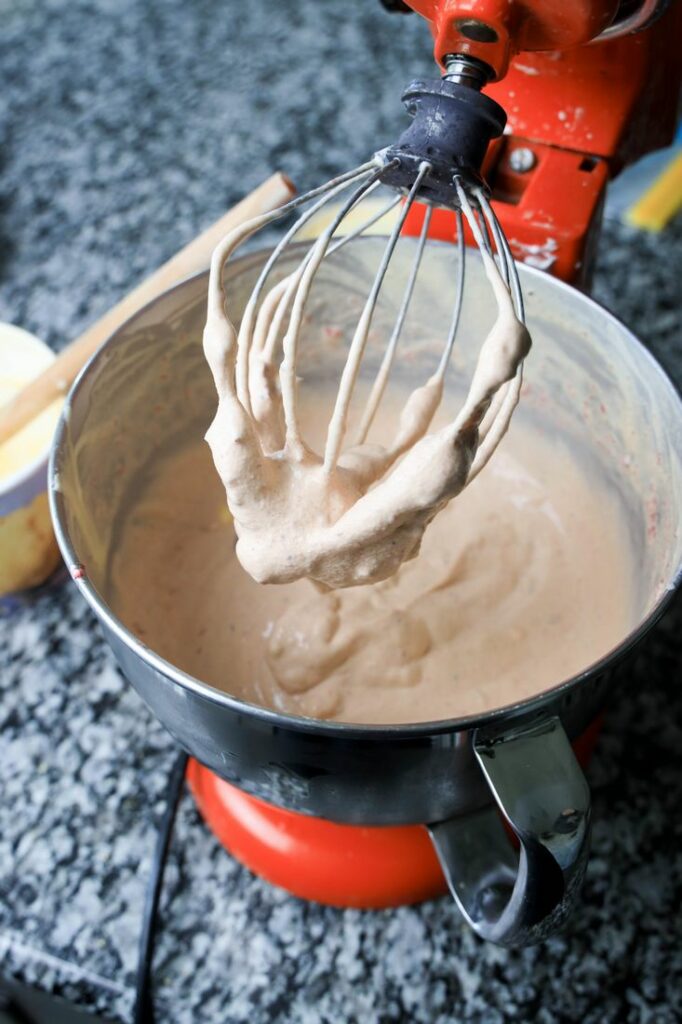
[526, 69]
[542, 255]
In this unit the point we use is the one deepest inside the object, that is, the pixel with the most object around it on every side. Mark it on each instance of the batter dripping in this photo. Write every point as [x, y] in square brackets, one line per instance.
[521, 582]
[351, 516]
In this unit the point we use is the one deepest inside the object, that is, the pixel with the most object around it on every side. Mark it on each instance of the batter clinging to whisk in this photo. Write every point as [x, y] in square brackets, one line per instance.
[352, 514]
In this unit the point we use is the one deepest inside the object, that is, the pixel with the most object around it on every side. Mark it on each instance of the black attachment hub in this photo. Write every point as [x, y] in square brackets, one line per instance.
[451, 128]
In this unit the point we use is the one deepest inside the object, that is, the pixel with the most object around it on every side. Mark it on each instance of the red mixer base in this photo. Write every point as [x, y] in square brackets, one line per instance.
[340, 865]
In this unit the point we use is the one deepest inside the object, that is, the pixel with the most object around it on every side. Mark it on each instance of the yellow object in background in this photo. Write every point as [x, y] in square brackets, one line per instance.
[661, 201]
[23, 357]
[28, 550]
[363, 212]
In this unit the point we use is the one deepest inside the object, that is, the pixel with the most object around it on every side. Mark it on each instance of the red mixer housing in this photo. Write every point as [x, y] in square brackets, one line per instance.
[580, 105]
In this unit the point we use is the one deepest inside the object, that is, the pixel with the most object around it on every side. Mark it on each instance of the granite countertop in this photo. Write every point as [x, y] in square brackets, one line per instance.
[125, 128]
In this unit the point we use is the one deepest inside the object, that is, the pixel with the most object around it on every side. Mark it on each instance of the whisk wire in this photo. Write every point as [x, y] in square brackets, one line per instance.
[275, 325]
[326, 193]
[510, 273]
[307, 270]
[491, 221]
[370, 222]
[379, 385]
[284, 291]
[459, 295]
[337, 425]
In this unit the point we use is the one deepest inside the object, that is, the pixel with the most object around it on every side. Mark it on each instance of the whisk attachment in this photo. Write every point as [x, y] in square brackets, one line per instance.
[352, 512]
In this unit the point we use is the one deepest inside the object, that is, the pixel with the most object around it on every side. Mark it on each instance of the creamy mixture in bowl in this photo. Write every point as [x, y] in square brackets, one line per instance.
[521, 582]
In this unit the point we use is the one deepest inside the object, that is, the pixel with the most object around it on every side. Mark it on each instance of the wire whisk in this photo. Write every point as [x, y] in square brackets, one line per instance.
[357, 527]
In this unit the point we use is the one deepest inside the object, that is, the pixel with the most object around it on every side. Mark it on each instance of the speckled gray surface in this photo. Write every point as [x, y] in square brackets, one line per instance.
[124, 128]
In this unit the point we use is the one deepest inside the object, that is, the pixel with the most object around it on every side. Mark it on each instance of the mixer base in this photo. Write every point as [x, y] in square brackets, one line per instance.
[339, 865]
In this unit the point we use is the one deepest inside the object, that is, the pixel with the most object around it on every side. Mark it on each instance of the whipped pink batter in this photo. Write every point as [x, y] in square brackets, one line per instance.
[520, 583]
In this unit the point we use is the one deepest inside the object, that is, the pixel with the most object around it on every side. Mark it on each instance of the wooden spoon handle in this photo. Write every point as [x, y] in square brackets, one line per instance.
[59, 375]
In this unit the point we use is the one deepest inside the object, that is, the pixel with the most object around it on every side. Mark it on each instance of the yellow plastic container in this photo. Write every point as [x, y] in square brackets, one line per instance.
[28, 550]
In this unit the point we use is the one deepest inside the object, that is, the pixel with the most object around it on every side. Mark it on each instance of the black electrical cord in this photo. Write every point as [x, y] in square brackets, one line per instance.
[144, 1005]
[14, 1012]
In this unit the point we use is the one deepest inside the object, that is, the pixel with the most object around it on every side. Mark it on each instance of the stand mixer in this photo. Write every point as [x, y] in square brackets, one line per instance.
[335, 812]
[576, 86]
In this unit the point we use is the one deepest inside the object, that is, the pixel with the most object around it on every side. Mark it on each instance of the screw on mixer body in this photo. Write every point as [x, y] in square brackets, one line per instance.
[522, 160]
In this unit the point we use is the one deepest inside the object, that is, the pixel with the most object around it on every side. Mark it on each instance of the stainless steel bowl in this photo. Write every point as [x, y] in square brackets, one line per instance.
[590, 381]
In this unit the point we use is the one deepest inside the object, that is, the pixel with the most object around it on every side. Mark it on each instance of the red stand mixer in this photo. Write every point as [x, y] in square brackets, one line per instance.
[587, 87]
[377, 816]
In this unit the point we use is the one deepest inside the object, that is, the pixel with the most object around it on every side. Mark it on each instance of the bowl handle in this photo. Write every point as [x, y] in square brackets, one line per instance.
[541, 791]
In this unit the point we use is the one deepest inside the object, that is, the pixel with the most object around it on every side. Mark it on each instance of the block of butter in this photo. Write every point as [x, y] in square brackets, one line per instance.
[28, 550]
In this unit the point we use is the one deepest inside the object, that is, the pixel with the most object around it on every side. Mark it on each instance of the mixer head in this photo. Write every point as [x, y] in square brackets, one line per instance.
[474, 41]
[589, 86]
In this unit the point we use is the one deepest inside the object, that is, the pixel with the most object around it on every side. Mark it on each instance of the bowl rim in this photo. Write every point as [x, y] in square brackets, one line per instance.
[526, 708]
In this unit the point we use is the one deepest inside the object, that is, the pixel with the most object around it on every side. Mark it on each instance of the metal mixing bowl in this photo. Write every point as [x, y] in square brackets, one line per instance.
[590, 382]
